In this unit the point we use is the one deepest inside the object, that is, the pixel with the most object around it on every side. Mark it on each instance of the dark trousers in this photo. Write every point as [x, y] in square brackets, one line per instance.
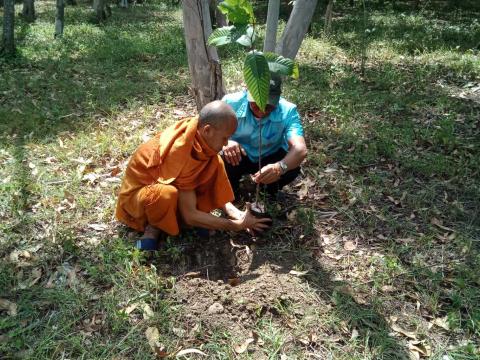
[246, 166]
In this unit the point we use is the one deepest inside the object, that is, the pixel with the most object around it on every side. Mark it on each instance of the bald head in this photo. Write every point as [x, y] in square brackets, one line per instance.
[218, 114]
[216, 124]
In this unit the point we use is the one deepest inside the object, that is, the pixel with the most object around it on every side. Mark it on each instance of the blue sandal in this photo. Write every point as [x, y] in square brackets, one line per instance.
[147, 244]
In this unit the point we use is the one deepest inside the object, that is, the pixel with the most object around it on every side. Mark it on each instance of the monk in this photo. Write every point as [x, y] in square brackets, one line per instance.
[179, 176]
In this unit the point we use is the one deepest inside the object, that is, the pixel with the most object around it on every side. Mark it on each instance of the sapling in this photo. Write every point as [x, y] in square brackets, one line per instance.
[257, 67]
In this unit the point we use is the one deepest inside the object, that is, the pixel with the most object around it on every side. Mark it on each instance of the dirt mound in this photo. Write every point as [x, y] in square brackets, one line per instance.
[231, 285]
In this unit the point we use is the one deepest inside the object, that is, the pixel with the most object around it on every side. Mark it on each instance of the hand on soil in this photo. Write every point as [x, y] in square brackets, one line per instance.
[250, 223]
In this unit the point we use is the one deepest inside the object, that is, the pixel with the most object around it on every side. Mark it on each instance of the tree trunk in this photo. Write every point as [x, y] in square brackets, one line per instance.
[272, 24]
[124, 3]
[99, 9]
[8, 37]
[28, 11]
[203, 60]
[328, 17]
[220, 19]
[59, 18]
[296, 28]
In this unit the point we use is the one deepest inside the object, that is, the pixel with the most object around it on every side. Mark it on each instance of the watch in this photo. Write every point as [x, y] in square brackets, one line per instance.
[283, 166]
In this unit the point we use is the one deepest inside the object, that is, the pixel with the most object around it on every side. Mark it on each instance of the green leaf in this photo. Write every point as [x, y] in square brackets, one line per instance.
[257, 77]
[238, 12]
[247, 38]
[281, 65]
[221, 36]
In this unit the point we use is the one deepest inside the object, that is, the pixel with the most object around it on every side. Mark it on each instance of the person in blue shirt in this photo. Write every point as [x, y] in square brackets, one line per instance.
[283, 142]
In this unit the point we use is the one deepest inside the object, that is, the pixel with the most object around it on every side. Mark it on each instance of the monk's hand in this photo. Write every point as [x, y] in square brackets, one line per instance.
[269, 174]
[232, 152]
[251, 223]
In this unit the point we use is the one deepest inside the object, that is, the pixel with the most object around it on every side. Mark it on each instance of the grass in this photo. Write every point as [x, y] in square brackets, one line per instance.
[395, 153]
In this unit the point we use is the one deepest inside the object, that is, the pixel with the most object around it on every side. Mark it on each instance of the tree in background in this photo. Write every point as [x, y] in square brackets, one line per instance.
[8, 37]
[203, 62]
[296, 28]
[272, 25]
[102, 10]
[328, 17]
[59, 18]
[28, 10]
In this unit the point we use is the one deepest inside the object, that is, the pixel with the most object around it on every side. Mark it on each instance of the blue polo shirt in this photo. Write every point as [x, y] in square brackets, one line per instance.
[277, 128]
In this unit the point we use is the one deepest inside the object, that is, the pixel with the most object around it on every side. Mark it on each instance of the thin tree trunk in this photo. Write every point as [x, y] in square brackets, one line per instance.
[99, 9]
[59, 18]
[220, 19]
[203, 60]
[272, 24]
[8, 37]
[328, 17]
[124, 3]
[296, 28]
[28, 10]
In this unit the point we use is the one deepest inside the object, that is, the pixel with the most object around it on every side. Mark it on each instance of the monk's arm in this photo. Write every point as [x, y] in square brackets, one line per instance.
[187, 204]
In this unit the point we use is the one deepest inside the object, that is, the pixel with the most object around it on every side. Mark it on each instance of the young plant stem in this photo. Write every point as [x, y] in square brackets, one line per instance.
[257, 192]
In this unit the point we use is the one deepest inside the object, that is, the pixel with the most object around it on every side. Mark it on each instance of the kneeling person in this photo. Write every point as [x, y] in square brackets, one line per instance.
[180, 169]
[283, 144]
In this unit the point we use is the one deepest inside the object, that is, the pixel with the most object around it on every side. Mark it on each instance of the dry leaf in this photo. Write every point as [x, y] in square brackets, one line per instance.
[442, 322]
[130, 308]
[153, 337]
[98, 227]
[438, 223]
[398, 329]
[241, 348]
[190, 351]
[115, 171]
[292, 215]
[147, 311]
[9, 306]
[233, 281]
[350, 246]
[298, 273]
[330, 170]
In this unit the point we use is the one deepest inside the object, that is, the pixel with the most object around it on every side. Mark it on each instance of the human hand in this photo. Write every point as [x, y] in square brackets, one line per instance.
[232, 153]
[250, 223]
[269, 173]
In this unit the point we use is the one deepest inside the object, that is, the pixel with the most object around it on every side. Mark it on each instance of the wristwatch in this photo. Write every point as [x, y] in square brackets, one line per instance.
[283, 166]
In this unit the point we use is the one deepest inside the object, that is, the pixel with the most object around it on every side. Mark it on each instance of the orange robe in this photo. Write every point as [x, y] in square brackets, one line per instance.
[175, 159]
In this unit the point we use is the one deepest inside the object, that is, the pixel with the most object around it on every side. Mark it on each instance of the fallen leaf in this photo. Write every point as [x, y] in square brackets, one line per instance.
[395, 327]
[98, 227]
[9, 306]
[153, 337]
[438, 223]
[234, 281]
[298, 273]
[442, 322]
[115, 171]
[241, 348]
[350, 246]
[190, 351]
[330, 170]
[387, 288]
[147, 311]
[130, 308]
